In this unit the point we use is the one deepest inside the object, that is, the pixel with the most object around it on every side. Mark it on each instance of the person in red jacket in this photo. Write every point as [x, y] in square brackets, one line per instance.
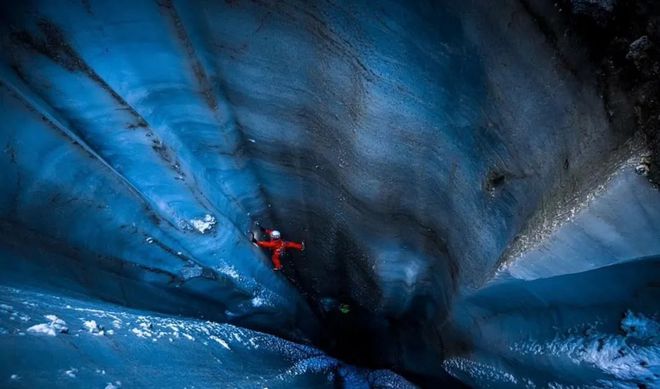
[277, 245]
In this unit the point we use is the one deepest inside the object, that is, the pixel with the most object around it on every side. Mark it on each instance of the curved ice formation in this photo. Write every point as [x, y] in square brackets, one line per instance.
[473, 191]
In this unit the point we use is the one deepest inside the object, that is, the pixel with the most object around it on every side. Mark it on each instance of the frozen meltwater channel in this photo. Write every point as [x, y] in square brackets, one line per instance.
[59, 341]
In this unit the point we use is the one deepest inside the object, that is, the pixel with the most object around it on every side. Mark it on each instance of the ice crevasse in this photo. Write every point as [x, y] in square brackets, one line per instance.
[477, 197]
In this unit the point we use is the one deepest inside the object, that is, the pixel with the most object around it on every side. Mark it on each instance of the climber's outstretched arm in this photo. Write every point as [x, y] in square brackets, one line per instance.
[265, 243]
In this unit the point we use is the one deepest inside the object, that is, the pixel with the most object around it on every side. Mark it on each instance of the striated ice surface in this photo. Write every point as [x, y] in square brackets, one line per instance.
[473, 195]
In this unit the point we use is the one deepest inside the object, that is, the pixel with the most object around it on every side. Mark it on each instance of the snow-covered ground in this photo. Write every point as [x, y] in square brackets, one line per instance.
[56, 341]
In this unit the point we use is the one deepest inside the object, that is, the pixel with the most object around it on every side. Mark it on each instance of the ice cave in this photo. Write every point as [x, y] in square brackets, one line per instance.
[475, 183]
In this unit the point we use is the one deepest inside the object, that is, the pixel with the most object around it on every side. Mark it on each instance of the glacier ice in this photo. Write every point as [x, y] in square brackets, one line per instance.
[158, 350]
[465, 179]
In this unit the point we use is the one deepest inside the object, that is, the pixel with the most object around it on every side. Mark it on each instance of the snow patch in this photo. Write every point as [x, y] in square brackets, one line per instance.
[16, 315]
[94, 328]
[15, 377]
[71, 372]
[191, 271]
[141, 334]
[45, 329]
[639, 326]
[476, 370]
[55, 326]
[205, 224]
[625, 357]
[229, 271]
[311, 364]
[220, 341]
[114, 385]
[188, 337]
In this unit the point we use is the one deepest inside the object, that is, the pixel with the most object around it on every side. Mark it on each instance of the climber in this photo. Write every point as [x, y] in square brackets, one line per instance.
[278, 246]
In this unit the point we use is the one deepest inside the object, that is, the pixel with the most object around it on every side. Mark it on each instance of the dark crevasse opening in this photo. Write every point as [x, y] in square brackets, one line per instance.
[475, 185]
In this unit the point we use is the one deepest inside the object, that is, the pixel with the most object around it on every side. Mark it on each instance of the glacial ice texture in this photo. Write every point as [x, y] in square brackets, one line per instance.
[461, 180]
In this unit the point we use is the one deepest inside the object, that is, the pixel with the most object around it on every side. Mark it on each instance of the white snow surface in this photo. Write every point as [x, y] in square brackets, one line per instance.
[71, 372]
[204, 224]
[55, 326]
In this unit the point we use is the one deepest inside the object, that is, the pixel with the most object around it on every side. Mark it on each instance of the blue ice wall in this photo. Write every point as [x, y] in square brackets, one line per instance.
[104, 180]
[434, 155]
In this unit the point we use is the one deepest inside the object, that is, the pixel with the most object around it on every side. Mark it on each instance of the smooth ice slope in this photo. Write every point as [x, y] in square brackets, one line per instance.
[435, 156]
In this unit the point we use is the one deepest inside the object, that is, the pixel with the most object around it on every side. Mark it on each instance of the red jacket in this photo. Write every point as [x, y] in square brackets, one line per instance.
[278, 246]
